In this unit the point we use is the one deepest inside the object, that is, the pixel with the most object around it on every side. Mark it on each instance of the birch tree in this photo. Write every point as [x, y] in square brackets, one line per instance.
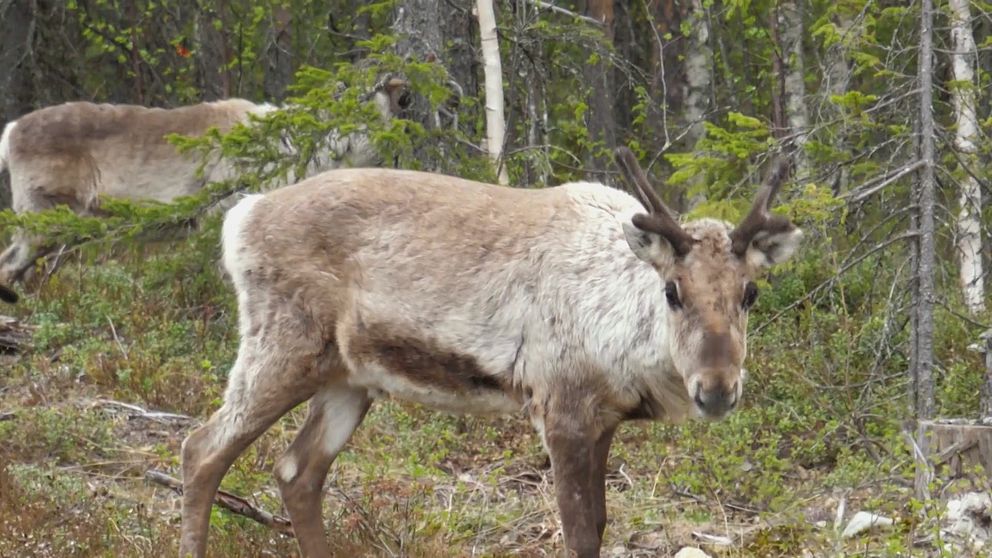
[969, 232]
[698, 73]
[790, 22]
[495, 123]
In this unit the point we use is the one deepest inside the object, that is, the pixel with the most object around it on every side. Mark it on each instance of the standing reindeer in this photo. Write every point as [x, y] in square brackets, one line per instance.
[569, 304]
[73, 153]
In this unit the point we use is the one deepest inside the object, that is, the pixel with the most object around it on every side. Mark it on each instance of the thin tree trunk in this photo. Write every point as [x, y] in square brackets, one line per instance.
[969, 238]
[495, 123]
[922, 351]
[278, 61]
[794, 88]
[926, 199]
[461, 47]
[836, 78]
[419, 39]
[985, 392]
[599, 76]
[16, 86]
[665, 62]
[666, 54]
[698, 89]
[698, 73]
[212, 52]
[779, 127]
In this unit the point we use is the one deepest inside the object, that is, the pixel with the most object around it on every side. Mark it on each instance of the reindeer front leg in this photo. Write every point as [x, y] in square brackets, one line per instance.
[578, 445]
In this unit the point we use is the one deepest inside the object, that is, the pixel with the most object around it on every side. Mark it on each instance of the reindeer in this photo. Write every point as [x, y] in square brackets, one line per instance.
[574, 305]
[74, 153]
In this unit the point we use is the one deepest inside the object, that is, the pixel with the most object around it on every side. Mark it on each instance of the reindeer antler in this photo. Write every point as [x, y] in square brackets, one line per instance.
[661, 220]
[759, 218]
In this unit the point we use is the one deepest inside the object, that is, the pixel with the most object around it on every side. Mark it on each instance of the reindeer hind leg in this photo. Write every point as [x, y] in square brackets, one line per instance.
[335, 412]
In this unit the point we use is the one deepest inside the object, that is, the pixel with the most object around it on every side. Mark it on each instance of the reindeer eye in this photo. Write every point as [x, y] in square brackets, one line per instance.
[672, 295]
[750, 295]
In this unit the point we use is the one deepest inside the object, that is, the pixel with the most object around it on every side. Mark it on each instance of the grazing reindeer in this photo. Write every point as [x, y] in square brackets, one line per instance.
[569, 303]
[75, 152]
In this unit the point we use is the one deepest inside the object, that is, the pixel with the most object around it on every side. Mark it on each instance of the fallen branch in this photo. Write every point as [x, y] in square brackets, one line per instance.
[140, 412]
[229, 502]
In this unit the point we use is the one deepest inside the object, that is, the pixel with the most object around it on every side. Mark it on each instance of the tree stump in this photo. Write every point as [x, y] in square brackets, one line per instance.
[953, 449]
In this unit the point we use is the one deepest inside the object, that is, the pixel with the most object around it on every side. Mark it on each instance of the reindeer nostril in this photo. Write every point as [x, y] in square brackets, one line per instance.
[699, 399]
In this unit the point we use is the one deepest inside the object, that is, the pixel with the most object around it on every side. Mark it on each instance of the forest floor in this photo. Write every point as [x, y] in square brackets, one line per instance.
[78, 432]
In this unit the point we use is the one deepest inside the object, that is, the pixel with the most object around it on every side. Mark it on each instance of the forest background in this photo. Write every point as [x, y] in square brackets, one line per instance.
[885, 116]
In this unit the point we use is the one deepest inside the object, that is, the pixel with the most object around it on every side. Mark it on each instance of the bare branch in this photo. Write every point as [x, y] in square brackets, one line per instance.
[229, 502]
[812, 292]
[563, 11]
[866, 191]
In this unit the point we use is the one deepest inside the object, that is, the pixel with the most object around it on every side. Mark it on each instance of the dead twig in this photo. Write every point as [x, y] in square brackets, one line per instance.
[140, 412]
[563, 11]
[869, 189]
[229, 502]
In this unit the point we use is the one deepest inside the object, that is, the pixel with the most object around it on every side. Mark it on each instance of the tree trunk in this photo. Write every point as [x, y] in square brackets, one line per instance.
[419, 39]
[969, 238]
[836, 78]
[698, 92]
[794, 88]
[495, 123]
[666, 56]
[461, 56]
[922, 351]
[212, 52]
[599, 76]
[985, 393]
[664, 61]
[278, 60]
[698, 73]
[16, 85]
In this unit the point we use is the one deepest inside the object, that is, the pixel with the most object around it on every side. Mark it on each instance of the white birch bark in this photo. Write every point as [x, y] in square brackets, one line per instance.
[698, 72]
[796, 113]
[495, 123]
[969, 237]
[699, 83]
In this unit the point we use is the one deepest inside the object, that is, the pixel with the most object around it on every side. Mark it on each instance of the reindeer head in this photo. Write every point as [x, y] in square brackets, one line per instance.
[707, 269]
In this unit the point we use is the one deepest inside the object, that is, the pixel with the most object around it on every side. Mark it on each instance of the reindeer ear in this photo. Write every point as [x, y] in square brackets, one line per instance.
[772, 247]
[649, 246]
